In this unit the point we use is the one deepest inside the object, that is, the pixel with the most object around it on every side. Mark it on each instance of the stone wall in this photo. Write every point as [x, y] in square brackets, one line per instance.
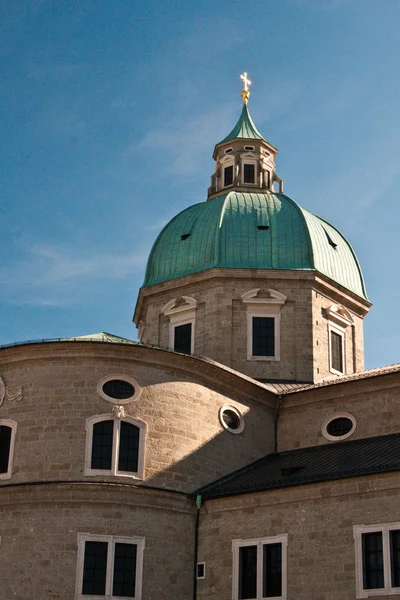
[221, 322]
[186, 446]
[374, 402]
[39, 528]
[318, 520]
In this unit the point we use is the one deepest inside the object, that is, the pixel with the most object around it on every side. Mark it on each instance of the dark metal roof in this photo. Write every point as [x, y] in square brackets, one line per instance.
[337, 460]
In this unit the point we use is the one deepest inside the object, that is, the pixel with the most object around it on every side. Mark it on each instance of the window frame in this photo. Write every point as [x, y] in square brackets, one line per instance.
[259, 542]
[181, 315]
[111, 540]
[385, 529]
[177, 321]
[13, 426]
[332, 417]
[342, 333]
[90, 422]
[264, 307]
[121, 377]
[249, 161]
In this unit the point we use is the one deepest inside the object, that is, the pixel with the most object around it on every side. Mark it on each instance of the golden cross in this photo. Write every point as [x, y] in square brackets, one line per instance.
[246, 82]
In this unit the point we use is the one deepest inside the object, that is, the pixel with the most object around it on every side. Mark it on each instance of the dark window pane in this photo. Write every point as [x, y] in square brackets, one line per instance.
[228, 175]
[5, 443]
[339, 426]
[263, 336]
[372, 560]
[272, 570]
[102, 445]
[247, 572]
[183, 338]
[395, 557]
[95, 569]
[231, 419]
[119, 389]
[124, 581]
[128, 447]
[248, 173]
[337, 352]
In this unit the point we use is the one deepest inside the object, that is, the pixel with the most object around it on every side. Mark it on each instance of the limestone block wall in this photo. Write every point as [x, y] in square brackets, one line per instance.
[354, 334]
[318, 520]
[374, 402]
[39, 529]
[221, 319]
[186, 446]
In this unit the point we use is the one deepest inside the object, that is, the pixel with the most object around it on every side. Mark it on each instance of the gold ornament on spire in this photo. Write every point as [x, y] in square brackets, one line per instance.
[246, 82]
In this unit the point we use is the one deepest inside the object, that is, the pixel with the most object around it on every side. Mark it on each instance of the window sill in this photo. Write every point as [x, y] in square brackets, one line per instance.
[264, 358]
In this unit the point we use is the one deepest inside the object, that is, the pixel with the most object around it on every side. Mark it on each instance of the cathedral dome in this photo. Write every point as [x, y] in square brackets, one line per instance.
[252, 230]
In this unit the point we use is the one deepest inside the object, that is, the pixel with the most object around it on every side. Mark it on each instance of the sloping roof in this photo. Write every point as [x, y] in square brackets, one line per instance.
[244, 128]
[345, 378]
[225, 233]
[327, 462]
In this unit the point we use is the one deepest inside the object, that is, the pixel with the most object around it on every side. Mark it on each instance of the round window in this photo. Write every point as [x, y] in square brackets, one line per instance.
[231, 419]
[338, 427]
[121, 388]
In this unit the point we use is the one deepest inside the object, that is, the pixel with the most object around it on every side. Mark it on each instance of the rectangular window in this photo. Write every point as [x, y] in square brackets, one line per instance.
[109, 567]
[8, 429]
[183, 338]
[5, 446]
[377, 559]
[249, 174]
[228, 175]
[263, 336]
[259, 568]
[337, 359]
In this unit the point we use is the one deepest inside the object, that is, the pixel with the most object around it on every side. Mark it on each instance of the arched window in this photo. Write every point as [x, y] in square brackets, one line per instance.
[115, 445]
[8, 429]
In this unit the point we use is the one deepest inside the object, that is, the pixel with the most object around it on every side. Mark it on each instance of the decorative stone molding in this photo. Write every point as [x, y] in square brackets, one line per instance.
[118, 412]
[12, 397]
[177, 306]
[339, 314]
[272, 297]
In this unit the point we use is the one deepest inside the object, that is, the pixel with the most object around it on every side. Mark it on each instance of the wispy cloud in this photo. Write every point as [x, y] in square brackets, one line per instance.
[49, 275]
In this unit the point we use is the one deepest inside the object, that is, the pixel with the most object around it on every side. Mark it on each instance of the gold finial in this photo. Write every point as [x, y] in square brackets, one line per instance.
[246, 82]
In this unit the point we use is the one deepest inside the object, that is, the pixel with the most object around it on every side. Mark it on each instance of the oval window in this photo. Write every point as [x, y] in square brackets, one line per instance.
[338, 427]
[119, 389]
[231, 419]
[228, 150]
[249, 148]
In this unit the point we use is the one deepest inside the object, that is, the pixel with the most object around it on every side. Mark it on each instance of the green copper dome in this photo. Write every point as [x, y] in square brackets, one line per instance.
[243, 230]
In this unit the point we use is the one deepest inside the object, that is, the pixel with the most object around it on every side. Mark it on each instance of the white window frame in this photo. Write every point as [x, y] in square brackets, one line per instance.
[388, 590]
[120, 377]
[259, 542]
[338, 438]
[181, 315]
[227, 161]
[13, 426]
[117, 416]
[342, 333]
[111, 540]
[264, 307]
[249, 161]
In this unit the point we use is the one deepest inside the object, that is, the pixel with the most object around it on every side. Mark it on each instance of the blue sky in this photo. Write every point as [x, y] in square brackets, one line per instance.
[109, 114]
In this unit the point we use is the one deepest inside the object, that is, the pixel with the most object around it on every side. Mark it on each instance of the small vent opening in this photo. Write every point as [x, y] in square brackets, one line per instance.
[263, 227]
[330, 240]
[185, 236]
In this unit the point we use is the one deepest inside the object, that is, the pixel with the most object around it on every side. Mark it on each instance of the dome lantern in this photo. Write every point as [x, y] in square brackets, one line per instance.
[244, 160]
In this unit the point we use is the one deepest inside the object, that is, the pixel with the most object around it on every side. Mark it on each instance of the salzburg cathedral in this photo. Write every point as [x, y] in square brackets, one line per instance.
[238, 450]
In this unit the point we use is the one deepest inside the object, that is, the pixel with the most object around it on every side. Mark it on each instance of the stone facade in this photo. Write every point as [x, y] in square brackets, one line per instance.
[221, 321]
[318, 520]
